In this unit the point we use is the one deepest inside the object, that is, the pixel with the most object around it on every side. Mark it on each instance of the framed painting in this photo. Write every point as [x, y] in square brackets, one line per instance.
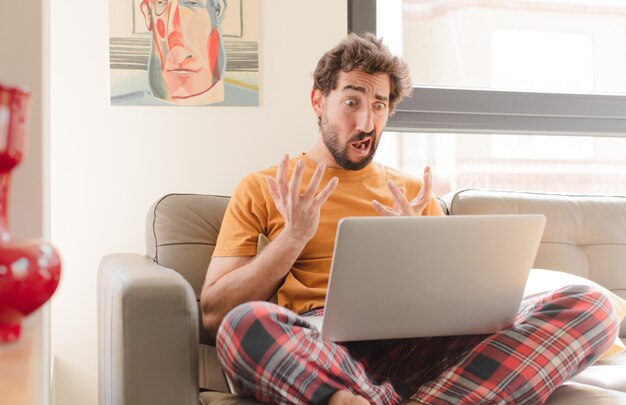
[184, 52]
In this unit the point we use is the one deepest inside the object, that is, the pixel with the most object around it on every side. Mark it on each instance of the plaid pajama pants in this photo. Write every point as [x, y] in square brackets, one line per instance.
[271, 354]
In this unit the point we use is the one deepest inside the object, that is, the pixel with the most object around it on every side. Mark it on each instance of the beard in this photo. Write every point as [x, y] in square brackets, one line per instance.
[330, 136]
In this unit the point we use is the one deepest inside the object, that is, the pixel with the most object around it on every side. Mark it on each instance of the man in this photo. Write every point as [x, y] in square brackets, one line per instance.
[271, 353]
[187, 57]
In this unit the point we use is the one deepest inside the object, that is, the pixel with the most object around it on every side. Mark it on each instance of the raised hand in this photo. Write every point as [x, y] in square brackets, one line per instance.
[301, 212]
[401, 205]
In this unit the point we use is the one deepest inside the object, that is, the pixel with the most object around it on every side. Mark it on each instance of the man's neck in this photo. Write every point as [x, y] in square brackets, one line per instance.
[320, 153]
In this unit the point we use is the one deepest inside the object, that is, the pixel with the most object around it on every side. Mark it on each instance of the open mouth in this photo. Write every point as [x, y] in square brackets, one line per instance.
[363, 146]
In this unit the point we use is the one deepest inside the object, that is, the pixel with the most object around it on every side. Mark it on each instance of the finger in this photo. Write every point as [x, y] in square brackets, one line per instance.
[281, 177]
[403, 203]
[426, 192]
[326, 192]
[315, 180]
[296, 180]
[428, 182]
[382, 210]
[273, 189]
[396, 205]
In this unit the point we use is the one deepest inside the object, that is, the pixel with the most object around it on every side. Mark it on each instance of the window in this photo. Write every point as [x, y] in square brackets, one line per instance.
[523, 94]
[524, 60]
[567, 164]
[453, 43]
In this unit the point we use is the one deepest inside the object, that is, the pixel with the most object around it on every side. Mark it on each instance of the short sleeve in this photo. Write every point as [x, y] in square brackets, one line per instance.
[434, 208]
[245, 218]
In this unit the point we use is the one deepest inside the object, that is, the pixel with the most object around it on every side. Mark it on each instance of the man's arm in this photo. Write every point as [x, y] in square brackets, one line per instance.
[231, 281]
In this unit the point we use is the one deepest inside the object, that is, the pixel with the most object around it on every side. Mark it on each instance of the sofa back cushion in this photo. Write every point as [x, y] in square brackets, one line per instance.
[584, 235]
[181, 231]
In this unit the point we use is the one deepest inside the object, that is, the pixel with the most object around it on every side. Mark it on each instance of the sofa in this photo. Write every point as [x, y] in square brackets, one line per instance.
[152, 348]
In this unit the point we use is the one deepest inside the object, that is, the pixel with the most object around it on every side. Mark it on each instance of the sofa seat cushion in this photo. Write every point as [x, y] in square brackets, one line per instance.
[220, 398]
[608, 374]
[604, 383]
[573, 393]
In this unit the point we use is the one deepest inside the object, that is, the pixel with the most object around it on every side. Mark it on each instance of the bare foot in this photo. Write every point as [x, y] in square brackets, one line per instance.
[345, 397]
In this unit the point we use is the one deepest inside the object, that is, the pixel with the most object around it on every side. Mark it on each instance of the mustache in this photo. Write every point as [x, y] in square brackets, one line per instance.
[362, 135]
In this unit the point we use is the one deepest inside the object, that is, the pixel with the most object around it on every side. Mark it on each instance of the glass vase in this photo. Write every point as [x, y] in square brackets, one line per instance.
[29, 269]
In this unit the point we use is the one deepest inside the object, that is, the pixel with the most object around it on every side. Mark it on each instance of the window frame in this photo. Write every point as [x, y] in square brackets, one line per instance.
[440, 109]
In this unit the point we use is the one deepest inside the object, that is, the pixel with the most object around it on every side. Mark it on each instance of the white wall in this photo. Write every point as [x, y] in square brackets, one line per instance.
[109, 164]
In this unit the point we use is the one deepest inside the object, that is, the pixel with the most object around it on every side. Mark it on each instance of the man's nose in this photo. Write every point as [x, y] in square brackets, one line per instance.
[365, 120]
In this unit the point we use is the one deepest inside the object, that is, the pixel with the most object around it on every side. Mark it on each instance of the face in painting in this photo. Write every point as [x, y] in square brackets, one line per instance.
[188, 56]
[353, 116]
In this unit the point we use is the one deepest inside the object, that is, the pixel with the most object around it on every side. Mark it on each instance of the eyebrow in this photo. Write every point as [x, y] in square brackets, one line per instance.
[361, 89]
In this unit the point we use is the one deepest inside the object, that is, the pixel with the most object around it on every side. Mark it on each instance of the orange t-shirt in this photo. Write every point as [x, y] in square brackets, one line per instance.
[251, 211]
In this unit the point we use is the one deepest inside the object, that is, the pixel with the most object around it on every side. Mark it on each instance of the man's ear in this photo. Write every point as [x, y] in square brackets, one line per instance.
[147, 14]
[317, 101]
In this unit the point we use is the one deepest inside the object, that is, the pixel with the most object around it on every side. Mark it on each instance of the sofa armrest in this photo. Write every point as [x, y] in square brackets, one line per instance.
[147, 333]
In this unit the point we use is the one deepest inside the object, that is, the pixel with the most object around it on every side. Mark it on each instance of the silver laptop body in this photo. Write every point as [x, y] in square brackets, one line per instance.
[428, 276]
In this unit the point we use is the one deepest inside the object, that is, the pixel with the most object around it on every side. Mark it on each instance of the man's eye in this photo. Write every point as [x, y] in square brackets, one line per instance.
[380, 106]
[350, 102]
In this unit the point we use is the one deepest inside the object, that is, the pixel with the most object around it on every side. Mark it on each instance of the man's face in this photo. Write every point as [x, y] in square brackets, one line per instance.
[353, 117]
[187, 47]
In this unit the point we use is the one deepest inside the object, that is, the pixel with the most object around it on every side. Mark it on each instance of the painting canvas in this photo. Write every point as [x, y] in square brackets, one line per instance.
[184, 52]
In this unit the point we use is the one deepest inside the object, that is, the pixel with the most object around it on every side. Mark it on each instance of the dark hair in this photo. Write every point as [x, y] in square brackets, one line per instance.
[367, 54]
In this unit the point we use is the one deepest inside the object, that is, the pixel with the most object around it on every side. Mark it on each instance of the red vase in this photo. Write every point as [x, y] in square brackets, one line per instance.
[29, 269]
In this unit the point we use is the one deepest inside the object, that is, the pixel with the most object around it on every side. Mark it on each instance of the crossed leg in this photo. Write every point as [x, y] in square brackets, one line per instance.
[272, 354]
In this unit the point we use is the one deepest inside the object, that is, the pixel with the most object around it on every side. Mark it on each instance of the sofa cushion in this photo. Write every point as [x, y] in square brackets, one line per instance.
[573, 393]
[181, 231]
[220, 398]
[608, 374]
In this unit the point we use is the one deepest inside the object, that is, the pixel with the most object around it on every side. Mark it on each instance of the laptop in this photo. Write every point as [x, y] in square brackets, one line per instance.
[401, 277]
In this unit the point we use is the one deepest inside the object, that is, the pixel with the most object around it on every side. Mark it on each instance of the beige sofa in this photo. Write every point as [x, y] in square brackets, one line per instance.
[152, 347]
